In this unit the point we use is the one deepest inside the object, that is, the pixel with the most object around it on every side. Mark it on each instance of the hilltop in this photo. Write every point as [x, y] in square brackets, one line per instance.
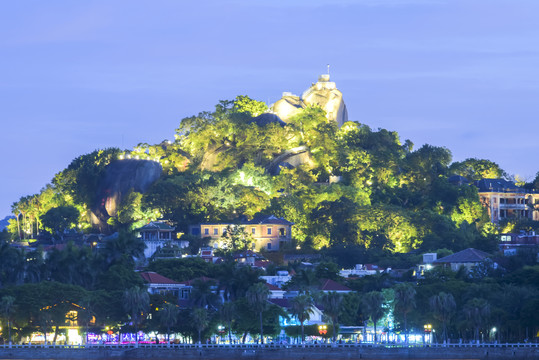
[341, 183]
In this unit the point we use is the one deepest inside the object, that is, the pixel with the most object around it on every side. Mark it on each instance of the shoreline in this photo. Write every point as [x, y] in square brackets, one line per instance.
[256, 352]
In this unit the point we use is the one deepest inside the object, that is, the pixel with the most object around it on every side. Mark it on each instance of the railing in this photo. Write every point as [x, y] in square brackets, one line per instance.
[270, 346]
[514, 206]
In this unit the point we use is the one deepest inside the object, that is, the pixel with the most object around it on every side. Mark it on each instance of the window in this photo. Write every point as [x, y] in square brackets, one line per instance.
[269, 231]
[282, 232]
[253, 230]
[206, 231]
[216, 231]
[269, 246]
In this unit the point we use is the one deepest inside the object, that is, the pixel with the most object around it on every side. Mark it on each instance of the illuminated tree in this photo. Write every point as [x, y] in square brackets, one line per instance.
[477, 169]
[136, 303]
[477, 312]
[443, 306]
[235, 238]
[60, 218]
[201, 320]
[373, 308]
[168, 317]
[404, 302]
[257, 297]
[245, 105]
[332, 305]
[302, 308]
[228, 313]
[80, 180]
[7, 309]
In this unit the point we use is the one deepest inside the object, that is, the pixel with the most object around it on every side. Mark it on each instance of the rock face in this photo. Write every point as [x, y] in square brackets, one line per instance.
[120, 178]
[323, 93]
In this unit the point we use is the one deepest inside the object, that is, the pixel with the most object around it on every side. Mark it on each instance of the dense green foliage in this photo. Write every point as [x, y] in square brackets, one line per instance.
[389, 200]
[223, 164]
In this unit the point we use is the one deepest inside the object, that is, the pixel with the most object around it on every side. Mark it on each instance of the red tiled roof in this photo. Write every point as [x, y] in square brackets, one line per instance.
[262, 263]
[330, 285]
[272, 287]
[154, 278]
[59, 247]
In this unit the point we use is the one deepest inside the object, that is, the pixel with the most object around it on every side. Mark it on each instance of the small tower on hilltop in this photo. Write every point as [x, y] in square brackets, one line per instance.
[323, 93]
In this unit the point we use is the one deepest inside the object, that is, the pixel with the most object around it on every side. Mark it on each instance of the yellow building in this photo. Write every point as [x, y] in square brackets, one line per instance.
[269, 232]
[505, 200]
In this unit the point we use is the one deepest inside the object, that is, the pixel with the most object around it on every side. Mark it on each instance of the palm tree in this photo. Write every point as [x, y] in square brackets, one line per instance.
[332, 306]
[302, 308]
[257, 296]
[404, 303]
[136, 302]
[6, 307]
[306, 280]
[168, 317]
[201, 320]
[477, 311]
[443, 306]
[373, 307]
[228, 313]
[202, 294]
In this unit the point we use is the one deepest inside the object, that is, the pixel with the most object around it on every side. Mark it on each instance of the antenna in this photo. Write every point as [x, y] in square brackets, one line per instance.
[328, 69]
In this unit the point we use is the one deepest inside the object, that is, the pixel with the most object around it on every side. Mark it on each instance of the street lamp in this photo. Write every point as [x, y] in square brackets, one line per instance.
[428, 330]
[322, 329]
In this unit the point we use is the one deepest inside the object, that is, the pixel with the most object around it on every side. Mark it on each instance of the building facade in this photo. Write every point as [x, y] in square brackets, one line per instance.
[268, 232]
[505, 200]
[158, 234]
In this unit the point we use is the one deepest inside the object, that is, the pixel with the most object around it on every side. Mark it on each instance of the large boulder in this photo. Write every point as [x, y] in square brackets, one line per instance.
[120, 178]
[323, 93]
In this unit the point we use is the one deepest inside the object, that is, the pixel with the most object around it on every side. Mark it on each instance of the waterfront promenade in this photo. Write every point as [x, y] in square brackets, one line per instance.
[272, 351]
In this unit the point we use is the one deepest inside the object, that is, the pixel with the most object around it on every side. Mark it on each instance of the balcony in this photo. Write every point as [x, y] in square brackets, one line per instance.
[514, 206]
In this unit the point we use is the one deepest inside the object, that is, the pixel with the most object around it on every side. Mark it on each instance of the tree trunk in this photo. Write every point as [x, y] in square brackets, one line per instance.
[405, 330]
[19, 227]
[334, 330]
[55, 335]
[230, 332]
[261, 329]
[302, 333]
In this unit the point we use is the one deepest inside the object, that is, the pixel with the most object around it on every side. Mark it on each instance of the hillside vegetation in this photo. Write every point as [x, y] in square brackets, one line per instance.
[231, 162]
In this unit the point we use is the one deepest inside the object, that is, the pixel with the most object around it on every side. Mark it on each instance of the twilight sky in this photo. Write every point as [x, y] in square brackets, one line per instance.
[80, 75]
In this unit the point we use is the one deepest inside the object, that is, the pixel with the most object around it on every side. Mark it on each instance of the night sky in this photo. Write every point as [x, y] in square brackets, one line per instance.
[80, 75]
